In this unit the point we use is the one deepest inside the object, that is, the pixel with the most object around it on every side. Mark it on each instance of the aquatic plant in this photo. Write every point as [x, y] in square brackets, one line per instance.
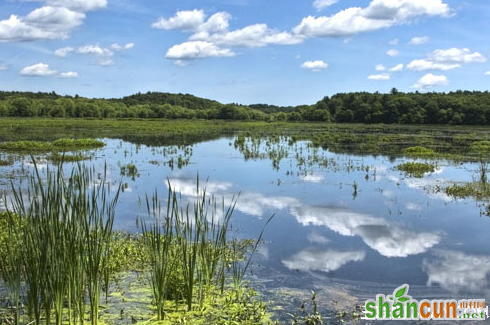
[419, 152]
[64, 231]
[129, 170]
[416, 169]
[56, 146]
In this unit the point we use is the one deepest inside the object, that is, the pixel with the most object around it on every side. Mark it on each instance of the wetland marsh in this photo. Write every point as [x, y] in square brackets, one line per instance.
[358, 210]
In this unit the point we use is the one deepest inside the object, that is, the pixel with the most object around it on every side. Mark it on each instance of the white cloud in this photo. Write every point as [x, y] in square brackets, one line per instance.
[456, 55]
[250, 203]
[257, 35]
[378, 14]
[397, 68]
[430, 80]
[380, 67]
[197, 50]
[388, 239]
[38, 70]
[316, 238]
[214, 35]
[314, 65]
[322, 4]
[487, 73]
[106, 62]
[412, 206]
[188, 20]
[393, 53]
[46, 23]
[423, 65]
[325, 261]
[4, 67]
[456, 271]
[68, 74]
[64, 52]
[103, 54]
[447, 59]
[94, 50]
[394, 41]
[313, 178]
[381, 235]
[382, 76]
[181, 63]
[419, 40]
[79, 5]
[116, 47]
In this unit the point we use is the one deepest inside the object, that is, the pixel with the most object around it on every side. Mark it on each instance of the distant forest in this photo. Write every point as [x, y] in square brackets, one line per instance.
[460, 107]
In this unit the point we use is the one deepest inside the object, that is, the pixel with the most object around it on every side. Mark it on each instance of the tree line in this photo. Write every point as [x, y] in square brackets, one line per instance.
[459, 107]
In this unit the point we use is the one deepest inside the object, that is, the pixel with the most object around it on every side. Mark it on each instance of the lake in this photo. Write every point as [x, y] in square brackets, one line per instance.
[346, 226]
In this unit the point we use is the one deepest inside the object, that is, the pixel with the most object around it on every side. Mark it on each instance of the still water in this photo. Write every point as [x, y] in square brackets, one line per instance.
[345, 226]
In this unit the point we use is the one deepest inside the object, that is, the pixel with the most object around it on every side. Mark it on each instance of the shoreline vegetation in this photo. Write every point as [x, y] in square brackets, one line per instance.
[454, 108]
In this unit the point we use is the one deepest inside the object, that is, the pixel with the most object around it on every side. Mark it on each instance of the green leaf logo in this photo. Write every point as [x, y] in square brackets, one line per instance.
[399, 295]
[401, 292]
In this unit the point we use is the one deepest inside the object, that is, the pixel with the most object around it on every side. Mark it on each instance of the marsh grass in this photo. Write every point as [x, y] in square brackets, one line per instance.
[129, 170]
[416, 169]
[64, 229]
[477, 190]
[60, 145]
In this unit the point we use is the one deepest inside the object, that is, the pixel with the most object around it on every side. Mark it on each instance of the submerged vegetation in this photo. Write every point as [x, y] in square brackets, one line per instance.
[416, 169]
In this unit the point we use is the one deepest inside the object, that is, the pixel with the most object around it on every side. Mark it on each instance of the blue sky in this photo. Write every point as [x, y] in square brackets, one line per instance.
[246, 51]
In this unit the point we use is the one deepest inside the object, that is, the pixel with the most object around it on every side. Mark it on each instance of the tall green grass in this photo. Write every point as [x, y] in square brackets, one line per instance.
[63, 235]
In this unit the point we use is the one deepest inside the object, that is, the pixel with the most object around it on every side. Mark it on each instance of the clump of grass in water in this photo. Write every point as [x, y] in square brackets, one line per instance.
[64, 228]
[416, 169]
[420, 152]
[192, 239]
[129, 170]
[55, 146]
[5, 163]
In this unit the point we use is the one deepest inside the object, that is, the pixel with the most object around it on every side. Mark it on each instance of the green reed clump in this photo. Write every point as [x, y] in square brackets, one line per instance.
[10, 261]
[419, 152]
[201, 241]
[159, 239]
[55, 146]
[477, 190]
[129, 170]
[64, 233]
[416, 169]
[189, 250]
